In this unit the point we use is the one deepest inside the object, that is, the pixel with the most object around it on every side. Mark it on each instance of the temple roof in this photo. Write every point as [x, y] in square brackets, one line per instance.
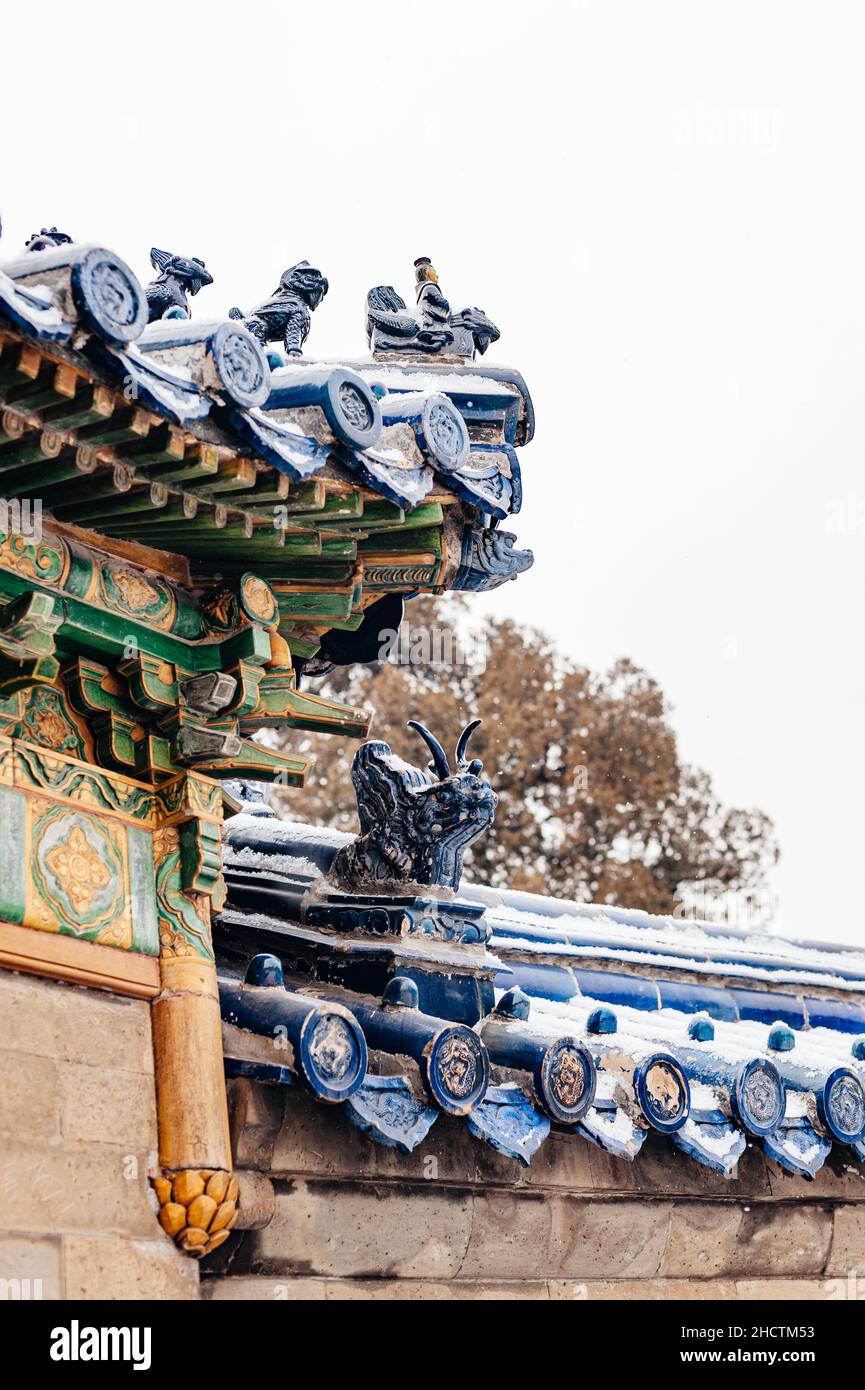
[712, 1035]
[183, 433]
[196, 508]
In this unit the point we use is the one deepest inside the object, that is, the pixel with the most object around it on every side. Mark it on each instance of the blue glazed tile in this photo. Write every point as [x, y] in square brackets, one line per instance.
[542, 981]
[699, 998]
[507, 1120]
[543, 937]
[781, 1038]
[457, 998]
[631, 990]
[712, 1140]
[388, 1111]
[799, 1150]
[759, 1006]
[833, 1013]
[260, 1071]
[609, 1128]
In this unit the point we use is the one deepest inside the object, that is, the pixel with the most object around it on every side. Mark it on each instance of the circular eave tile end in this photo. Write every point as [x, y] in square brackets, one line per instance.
[457, 1069]
[240, 365]
[842, 1106]
[663, 1092]
[759, 1096]
[109, 297]
[567, 1079]
[333, 1053]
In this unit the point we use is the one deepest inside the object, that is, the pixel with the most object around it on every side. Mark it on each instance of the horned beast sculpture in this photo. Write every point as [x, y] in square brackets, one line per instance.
[415, 826]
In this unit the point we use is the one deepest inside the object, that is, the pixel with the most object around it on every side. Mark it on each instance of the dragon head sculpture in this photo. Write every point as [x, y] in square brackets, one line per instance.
[415, 826]
[482, 329]
[305, 281]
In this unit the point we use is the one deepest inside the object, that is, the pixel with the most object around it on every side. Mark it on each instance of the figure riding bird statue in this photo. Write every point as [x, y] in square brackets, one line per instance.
[433, 329]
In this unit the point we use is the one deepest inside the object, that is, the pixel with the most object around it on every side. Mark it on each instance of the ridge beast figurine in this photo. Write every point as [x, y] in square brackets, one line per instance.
[415, 826]
[287, 314]
[433, 329]
[488, 559]
[178, 277]
[47, 237]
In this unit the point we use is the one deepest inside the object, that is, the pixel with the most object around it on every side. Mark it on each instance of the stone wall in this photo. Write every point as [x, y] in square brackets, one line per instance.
[341, 1217]
[77, 1134]
[454, 1219]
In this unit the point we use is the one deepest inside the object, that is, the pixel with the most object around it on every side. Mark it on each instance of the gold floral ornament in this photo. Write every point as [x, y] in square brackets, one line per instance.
[197, 1208]
[45, 720]
[252, 600]
[51, 729]
[78, 869]
[258, 599]
[134, 590]
[124, 590]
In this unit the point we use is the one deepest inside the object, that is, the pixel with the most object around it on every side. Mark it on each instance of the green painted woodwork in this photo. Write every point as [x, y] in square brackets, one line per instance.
[200, 857]
[123, 636]
[280, 704]
[142, 885]
[183, 931]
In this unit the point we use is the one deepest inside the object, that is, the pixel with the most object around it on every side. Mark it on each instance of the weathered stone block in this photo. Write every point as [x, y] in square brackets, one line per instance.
[45, 1189]
[794, 1290]
[837, 1179]
[848, 1244]
[255, 1115]
[372, 1290]
[248, 1288]
[28, 1020]
[728, 1239]
[104, 1106]
[29, 1096]
[319, 1228]
[50, 1019]
[113, 1267]
[98, 1029]
[30, 1268]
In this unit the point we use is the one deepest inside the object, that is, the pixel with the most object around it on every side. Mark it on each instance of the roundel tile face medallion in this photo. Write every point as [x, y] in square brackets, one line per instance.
[241, 365]
[760, 1096]
[458, 1069]
[447, 433]
[258, 599]
[842, 1106]
[663, 1092]
[109, 297]
[567, 1080]
[333, 1054]
[355, 406]
[351, 409]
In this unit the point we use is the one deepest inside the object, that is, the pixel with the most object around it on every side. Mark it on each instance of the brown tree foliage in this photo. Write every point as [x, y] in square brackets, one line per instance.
[594, 800]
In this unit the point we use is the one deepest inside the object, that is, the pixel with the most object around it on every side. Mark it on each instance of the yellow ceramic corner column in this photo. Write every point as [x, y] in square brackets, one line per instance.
[196, 1190]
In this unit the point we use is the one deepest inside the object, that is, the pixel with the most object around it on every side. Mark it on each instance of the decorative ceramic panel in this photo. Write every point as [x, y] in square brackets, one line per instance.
[79, 875]
[77, 849]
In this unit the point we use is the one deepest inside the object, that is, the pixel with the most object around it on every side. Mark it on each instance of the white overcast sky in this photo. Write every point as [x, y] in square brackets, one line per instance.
[661, 205]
